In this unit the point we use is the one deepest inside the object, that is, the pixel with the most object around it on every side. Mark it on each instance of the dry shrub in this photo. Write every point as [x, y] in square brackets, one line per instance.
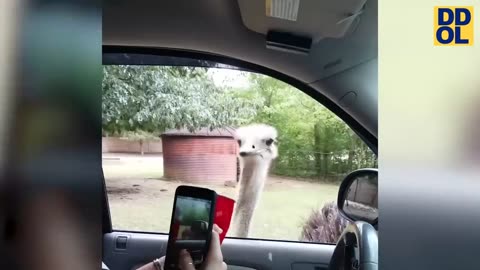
[324, 225]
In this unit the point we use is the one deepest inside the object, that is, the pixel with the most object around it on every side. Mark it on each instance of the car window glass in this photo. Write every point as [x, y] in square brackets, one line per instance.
[164, 126]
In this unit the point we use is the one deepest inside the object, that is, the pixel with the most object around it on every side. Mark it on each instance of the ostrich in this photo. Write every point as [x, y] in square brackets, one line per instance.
[258, 147]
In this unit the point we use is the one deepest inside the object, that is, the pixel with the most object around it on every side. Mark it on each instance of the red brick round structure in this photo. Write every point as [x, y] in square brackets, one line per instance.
[204, 156]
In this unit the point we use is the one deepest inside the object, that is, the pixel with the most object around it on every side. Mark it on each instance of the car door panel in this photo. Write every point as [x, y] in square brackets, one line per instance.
[128, 251]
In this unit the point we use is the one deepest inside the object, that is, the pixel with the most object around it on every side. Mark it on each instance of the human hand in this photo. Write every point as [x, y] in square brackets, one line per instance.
[214, 259]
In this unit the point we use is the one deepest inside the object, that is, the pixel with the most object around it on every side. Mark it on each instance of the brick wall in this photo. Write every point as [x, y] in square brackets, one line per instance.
[200, 159]
[118, 145]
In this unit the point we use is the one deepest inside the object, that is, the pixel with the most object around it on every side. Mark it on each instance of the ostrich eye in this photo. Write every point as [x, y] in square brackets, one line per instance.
[269, 142]
[253, 146]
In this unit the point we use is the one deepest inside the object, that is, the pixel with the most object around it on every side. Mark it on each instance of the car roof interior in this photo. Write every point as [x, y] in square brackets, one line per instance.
[341, 63]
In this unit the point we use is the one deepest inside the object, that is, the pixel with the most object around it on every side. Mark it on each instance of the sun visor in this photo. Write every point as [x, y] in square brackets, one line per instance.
[315, 19]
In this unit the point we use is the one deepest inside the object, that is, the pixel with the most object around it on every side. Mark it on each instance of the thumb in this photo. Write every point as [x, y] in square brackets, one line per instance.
[215, 252]
[185, 261]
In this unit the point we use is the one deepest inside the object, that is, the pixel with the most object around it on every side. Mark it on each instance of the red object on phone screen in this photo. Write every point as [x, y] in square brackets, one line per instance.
[223, 214]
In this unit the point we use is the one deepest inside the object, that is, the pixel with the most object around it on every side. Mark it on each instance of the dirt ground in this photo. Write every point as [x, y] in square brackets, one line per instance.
[140, 200]
[139, 189]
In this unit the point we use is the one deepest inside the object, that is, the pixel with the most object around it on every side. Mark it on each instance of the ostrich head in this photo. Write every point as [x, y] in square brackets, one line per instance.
[257, 141]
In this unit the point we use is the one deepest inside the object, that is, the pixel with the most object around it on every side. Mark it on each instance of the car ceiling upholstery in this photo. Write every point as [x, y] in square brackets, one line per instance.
[343, 69]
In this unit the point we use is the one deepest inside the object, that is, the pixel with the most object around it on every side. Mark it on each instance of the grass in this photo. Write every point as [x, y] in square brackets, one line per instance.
[141, 201]
[282, 212]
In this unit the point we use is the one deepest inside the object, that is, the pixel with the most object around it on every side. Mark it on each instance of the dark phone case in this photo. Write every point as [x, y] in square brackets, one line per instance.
[194, 192]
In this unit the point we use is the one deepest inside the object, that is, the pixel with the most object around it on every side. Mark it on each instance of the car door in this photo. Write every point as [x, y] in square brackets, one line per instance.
[295, 223]
[130, 250]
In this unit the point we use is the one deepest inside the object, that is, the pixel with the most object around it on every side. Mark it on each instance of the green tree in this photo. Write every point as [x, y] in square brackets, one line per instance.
[153, 99]
[313, 142]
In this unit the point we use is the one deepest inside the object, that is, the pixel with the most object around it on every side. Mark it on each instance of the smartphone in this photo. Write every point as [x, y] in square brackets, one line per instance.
[191, 224]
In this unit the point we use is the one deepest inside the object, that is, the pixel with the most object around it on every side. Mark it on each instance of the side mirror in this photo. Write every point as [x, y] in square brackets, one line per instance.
[358, 196]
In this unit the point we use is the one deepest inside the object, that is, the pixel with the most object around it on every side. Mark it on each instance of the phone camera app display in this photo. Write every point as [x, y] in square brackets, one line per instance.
[190, 226]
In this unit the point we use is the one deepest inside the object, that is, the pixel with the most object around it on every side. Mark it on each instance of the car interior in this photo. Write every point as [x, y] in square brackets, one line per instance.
[326, 49]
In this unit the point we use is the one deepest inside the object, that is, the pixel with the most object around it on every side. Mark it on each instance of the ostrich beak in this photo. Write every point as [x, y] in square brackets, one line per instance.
[260, 151]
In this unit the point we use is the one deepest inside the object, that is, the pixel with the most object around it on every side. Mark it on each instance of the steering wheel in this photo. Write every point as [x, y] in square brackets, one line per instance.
[357, 248]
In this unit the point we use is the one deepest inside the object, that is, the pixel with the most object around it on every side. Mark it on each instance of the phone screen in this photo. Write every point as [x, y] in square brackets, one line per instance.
[190, 229]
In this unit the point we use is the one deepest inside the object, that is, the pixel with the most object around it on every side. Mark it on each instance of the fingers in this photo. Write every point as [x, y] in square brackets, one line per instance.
[162, 262]
[217, 229]
[214, 259]
[214, 256]
[215, 249]
[185, 261]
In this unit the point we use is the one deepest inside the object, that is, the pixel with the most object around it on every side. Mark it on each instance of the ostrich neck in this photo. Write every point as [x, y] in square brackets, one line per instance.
[252, 178]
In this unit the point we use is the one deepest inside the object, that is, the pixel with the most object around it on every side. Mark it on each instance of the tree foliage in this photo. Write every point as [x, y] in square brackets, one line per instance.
[313, 141]
[154, 99]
